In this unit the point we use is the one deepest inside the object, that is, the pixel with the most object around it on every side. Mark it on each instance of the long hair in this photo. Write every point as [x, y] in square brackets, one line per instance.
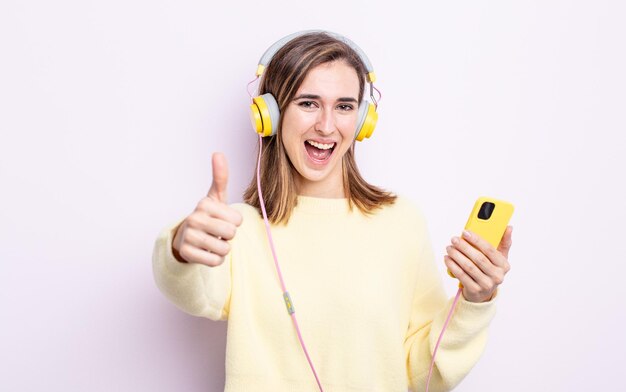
[282, 78]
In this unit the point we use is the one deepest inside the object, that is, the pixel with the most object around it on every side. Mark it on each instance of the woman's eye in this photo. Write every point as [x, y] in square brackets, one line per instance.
[345, 107]
[306, 104]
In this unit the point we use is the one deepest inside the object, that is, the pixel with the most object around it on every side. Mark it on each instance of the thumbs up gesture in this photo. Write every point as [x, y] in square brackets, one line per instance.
[203, 235]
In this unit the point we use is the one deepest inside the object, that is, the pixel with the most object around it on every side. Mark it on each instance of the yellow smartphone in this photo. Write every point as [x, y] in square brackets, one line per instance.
[489, 219]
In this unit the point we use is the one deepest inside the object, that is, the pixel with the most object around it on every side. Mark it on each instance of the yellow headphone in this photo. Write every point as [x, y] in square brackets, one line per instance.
[264, 110]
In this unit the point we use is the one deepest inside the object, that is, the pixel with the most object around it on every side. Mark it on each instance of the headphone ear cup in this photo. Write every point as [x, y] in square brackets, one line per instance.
[265, 115]
[367, 119]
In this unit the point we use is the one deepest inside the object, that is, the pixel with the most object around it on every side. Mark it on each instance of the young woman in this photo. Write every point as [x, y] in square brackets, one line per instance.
[356, 259]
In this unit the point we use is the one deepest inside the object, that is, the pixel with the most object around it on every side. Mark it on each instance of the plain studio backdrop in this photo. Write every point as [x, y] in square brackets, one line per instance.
[109, 113]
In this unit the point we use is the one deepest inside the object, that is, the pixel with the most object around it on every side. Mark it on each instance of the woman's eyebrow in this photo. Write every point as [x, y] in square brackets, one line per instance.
[314, 96]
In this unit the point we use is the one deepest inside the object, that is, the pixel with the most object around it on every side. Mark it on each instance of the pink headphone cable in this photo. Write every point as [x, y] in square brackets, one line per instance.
[445, 325]
[286, 296]
[248, 87]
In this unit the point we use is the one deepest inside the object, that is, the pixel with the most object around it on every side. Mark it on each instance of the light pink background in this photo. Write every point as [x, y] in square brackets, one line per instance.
[109, 113]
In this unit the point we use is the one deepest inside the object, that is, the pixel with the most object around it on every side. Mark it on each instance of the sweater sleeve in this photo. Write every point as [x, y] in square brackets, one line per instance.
[463, 341]
[194, 288]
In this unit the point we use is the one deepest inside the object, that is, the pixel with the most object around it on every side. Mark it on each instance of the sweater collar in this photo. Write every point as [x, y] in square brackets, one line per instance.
[319, 205]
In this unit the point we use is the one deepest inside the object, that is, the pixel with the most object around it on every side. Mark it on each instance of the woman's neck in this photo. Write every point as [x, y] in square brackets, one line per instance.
[326, 190]
[328, 187]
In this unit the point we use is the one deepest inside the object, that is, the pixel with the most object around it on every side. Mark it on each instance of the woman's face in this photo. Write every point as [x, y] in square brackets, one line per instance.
[318, 128]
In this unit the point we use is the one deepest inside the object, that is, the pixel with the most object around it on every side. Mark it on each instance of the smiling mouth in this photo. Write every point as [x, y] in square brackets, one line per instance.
[319, 152]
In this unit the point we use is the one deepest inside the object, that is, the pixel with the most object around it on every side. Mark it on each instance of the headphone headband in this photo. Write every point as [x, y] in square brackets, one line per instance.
[271, 51]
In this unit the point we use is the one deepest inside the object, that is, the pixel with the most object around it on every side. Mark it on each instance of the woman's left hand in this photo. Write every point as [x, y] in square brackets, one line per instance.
[477, 265]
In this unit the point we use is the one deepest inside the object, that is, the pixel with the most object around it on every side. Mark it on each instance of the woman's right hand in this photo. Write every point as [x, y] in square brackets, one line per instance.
[202, 237]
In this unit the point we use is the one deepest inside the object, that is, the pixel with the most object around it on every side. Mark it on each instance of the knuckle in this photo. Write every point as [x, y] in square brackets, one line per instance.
[486, 289]
[193, 220]
[223, 249]
[230, 232]
[204, 204]
[183, 226]
[201, 204]
[213, 260]
[179, 236]
[227, 248]
[471, 268]
[491, 252]
[192, 236]
[483, 259]
[185, 252]
[239, 218]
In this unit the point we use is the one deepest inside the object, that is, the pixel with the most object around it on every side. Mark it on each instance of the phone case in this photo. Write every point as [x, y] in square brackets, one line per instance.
[491, 227]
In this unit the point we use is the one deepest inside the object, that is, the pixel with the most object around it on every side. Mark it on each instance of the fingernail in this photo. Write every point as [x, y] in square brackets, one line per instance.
[455, 240]
[467, 234]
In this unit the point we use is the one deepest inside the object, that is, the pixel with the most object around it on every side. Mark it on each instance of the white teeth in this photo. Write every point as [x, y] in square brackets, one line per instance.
[321, 146]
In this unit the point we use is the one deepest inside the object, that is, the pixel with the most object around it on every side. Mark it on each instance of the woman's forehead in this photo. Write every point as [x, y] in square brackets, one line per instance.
[331, 80]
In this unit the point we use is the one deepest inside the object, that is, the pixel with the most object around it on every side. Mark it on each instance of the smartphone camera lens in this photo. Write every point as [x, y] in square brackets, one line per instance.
[486, 210]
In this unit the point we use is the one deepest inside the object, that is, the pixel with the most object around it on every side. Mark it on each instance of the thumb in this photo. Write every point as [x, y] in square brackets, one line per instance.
[217, 191]
[506, 242]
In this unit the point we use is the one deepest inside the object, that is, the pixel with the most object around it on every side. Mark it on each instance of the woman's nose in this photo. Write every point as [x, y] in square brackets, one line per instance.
[325, 122]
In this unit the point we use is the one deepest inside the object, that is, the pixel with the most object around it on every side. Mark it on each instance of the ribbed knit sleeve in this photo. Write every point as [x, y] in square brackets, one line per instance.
[464, 339]
[194, 288]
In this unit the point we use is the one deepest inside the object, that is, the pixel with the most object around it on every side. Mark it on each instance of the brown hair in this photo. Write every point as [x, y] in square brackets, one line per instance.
[282, 78]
